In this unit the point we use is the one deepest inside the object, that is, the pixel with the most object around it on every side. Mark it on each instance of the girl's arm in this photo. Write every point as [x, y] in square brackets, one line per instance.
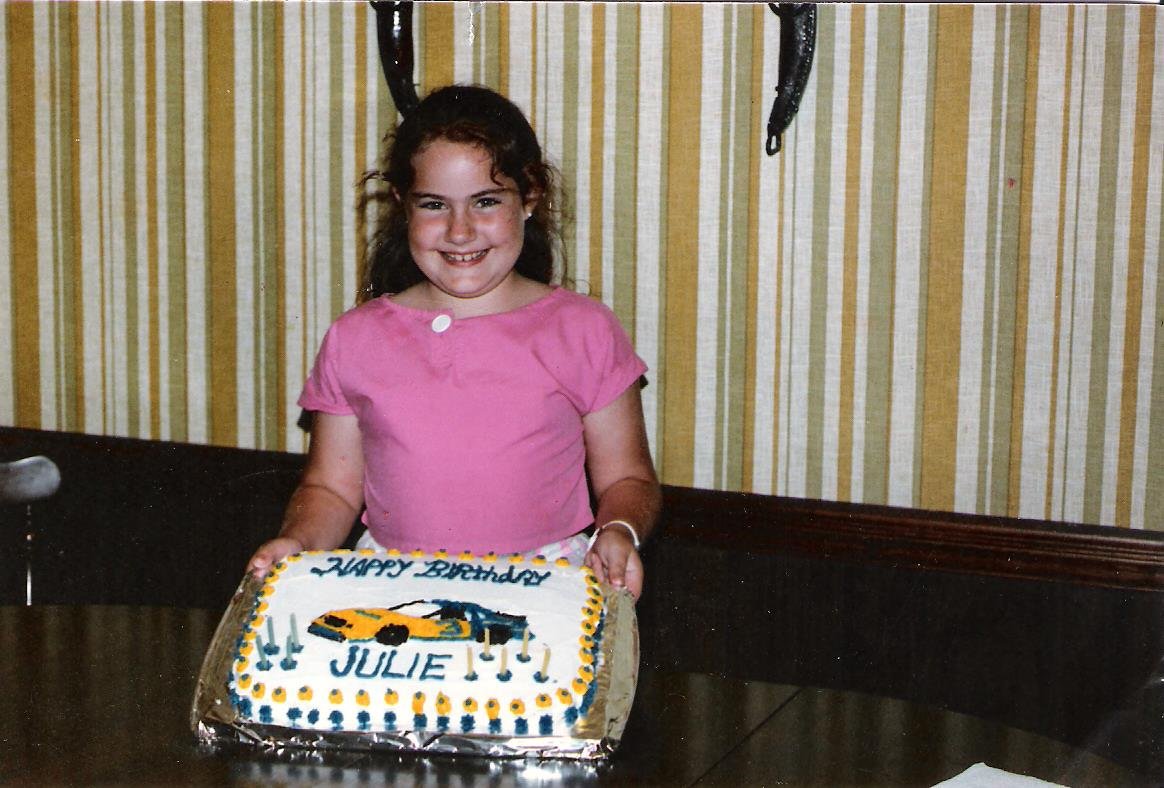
[623, 477]
[330, 495]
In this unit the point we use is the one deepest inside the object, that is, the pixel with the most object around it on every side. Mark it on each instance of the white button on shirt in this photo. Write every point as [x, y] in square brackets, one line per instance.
[441, 323]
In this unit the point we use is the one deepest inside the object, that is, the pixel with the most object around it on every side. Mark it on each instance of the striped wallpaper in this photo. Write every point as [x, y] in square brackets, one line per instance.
[943, 293]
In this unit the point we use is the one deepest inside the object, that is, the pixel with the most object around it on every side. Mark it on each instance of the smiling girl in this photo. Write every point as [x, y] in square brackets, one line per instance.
[468, 403]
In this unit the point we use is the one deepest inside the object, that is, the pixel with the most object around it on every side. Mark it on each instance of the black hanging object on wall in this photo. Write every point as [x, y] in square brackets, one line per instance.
[394, 38]
[797, 45]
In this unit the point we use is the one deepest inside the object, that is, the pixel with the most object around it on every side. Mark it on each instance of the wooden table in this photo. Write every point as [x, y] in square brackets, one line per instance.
[101, 694]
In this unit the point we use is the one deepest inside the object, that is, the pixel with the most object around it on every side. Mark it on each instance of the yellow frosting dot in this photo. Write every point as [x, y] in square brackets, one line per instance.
[466, 555]
[393, 552]
[539, 560]
[490, 557]
[367, 551]
[578, 685]
[267, 590]
[442, 553]
[564, 696]
[241, 664]
[362, 698]
[517, 707]
[586, 657]
[418, 553]
[261, 607]
[492, 707]
[245, 649]
[562, 562]
[586, 672]
[244, 681]
[586, 641]
[390, 698]
[335, 696]
[418, 703]
[258, 690]
[294, 557]
[589, 612]
[543, 700]
[516, 558]
[279, 694]
[257, 622]
[469, 705]
[442, 703]
[588, 627]
[305, 693]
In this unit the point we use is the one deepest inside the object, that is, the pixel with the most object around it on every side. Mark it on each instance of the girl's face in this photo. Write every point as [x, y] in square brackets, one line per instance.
[465, 226]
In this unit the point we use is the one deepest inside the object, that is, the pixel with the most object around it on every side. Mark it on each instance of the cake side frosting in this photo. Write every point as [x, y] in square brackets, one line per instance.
[373, 641]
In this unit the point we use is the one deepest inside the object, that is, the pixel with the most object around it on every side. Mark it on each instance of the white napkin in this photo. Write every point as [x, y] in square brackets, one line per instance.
[982, 776]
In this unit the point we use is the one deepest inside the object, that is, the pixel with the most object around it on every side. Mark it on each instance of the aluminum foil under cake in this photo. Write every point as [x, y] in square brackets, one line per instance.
[595, 736]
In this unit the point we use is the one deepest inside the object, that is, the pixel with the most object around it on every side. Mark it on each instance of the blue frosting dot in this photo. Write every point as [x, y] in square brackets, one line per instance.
[546, 725]
[442, 724]
[521, 726]
[467, 723]
[420, 721]
[495, 726]
[337, 720]
[571, 715]
[389, 720]
[365, 720]
[265, 715]
[245, 707]
[313, 716]
[294, 714]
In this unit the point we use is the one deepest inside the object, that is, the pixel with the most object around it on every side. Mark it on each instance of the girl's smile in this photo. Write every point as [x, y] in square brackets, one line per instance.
[466, 227]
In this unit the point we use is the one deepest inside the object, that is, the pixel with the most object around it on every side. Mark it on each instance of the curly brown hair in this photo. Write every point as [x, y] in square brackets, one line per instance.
[473, 115]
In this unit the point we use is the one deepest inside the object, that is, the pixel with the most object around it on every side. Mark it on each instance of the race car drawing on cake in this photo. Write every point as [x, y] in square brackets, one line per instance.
[437, 619]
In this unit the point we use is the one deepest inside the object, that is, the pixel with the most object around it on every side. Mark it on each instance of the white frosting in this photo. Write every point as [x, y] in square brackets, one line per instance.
[350, 611]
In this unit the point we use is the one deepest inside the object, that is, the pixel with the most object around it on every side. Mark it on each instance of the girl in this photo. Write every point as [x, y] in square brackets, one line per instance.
[463, 402]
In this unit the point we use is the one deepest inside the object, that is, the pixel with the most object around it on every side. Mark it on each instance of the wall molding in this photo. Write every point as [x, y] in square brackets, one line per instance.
[918, 539]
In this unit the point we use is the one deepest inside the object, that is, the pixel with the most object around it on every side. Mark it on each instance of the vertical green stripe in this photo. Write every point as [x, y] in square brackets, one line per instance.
[1154, 494]
[275, 226]
[339, 196]
[723, 318]
[1002, 381]
[824, 66]
[882, 252]
[597, 133]
[1105, 250]
[492, 32]
[569, 104]
[989, 314]
[626, 89]
[176, 220]
[66, 250]
[742, 138]
[131, 103]
[150, 108]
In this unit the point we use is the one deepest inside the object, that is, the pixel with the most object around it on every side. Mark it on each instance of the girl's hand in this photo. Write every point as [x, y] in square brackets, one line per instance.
[272, 553]
[615, 560]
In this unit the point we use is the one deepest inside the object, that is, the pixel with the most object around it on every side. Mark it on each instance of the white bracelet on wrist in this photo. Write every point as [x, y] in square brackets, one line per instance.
[594, 537]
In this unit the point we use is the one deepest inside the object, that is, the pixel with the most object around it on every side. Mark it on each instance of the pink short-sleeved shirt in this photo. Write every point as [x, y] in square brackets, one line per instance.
[472, 428]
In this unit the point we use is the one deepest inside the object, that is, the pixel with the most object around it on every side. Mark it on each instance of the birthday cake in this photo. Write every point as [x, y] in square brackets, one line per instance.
[392, 643]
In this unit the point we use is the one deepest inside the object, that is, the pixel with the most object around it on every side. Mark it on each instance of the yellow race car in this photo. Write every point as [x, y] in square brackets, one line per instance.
[437, 619]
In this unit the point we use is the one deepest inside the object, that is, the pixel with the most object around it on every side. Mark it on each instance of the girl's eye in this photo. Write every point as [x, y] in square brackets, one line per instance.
[430, 205]
[488, 202]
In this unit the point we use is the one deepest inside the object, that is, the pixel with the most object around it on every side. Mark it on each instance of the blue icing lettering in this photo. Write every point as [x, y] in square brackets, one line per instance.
[433, 669]
[362, 567]
[448, 570]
